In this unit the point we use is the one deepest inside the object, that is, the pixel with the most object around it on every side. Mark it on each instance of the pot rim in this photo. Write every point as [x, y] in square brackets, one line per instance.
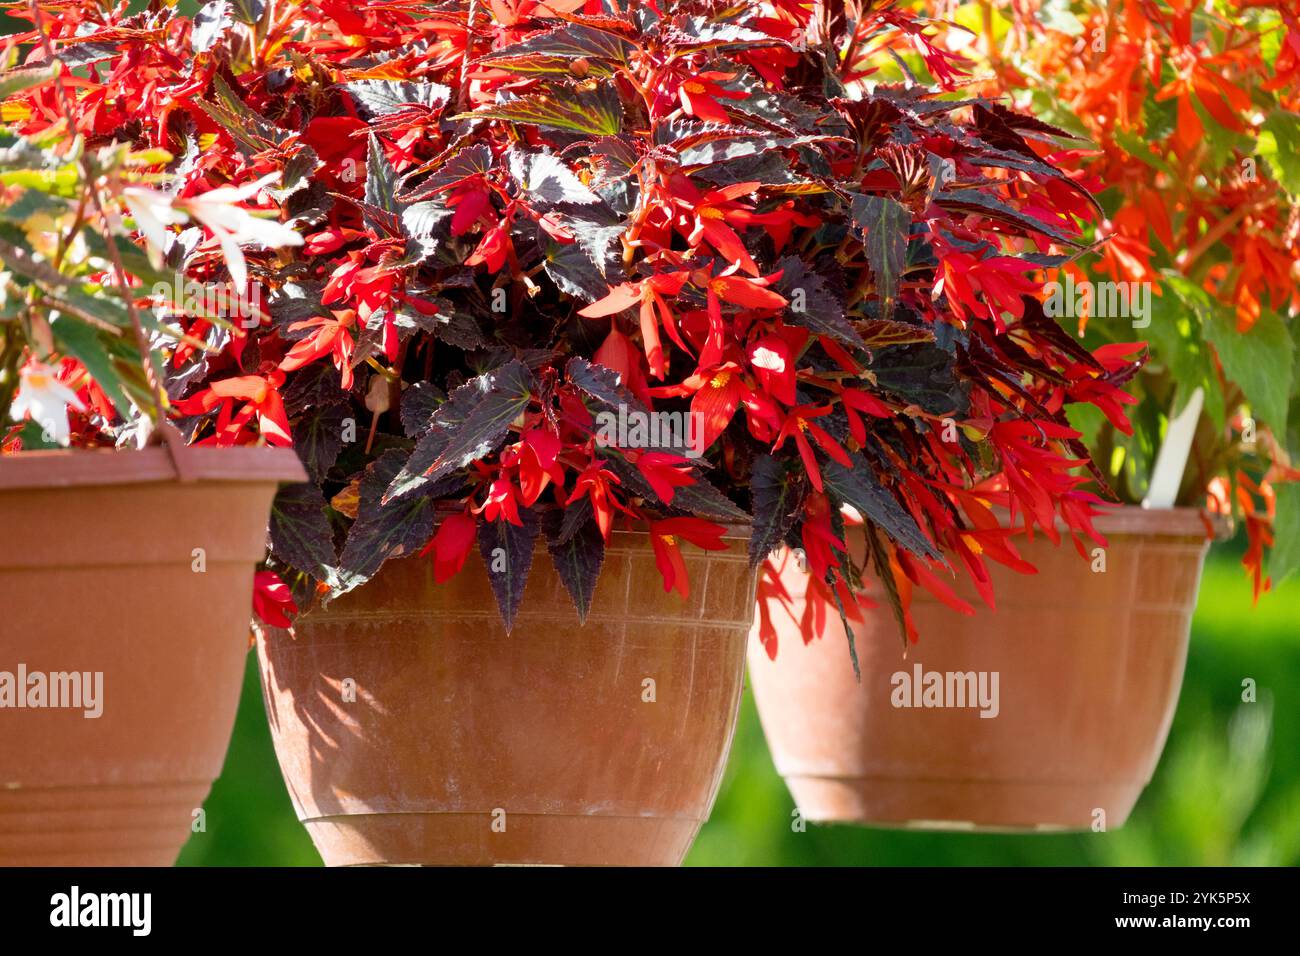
[1158, 522]
[82, 467]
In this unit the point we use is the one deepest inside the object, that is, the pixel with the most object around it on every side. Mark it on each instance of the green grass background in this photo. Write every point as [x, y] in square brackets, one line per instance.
[1227, 790]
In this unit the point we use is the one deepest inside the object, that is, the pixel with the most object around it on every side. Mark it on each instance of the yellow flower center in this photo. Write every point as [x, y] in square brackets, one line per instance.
[709, 212]
[720, 380]
[691, 86]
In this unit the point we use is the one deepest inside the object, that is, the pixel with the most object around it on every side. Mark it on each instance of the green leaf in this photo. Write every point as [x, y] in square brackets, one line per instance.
[300, 531]
[32, 435]
[84, 343]
[15, 81]
[507, 552]
[883, 224]
[1285, 556]
[1279, 144]
[594, 112]
[1260, 361]
[1176, 339]
[469, 426]
[858, 486]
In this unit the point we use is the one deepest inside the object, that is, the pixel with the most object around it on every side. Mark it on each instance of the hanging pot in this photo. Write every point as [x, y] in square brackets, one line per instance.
[1053, 710]
[412, 729]
[126, 598]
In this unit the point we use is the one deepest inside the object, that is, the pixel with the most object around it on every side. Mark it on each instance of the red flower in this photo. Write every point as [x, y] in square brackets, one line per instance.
[664, 471]
[501, 503]
[330, 338]
[649, 294]
[538, 463]
[795, 425]
[772, 358]
[451, 545]
[668, 557]
[262, 399]
[272, 600]
[594, 482]
[700, 93]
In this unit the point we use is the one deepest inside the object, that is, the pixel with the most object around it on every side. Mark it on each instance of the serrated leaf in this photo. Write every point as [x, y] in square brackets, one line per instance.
[571, 269]
[301, 536]
[507, 552]
[547, 180]
[969, 201]
[318, 438]
[419, 402]
[569, 42]
[381, 180]
[704, 500]
[778, 490]
[602, 384]
[210, 23]
[920, 375]
[385, 97]
[884, 225]
[248, 11]
[84, 54]
[813, 304]
[252, 132]
[593, 112]
[470, 425]
[700, 33]
[577, 556]
[383, 530]
[858, 487]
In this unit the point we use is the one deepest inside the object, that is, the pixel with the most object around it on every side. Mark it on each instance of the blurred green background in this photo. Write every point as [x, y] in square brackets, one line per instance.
[1227, 791]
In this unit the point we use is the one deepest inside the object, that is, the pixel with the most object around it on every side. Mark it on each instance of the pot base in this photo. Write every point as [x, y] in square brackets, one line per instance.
[96, 825]
[529, 839]
[946, 804]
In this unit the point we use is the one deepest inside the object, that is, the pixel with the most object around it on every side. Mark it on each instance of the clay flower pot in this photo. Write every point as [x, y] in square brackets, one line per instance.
[100, 577]
[1088, 668]
[412, 729]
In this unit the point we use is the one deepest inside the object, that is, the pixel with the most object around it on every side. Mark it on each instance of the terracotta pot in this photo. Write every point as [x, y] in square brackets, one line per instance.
[97, 575]
[465, 745]
[1088, 666]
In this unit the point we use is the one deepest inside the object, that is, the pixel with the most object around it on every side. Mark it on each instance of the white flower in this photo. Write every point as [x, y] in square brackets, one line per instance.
[153, 213]
[46, 399]
[220, 212]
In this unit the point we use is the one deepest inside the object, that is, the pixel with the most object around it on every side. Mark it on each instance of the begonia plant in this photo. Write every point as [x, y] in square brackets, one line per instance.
[1189, 118]
[522, 222]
